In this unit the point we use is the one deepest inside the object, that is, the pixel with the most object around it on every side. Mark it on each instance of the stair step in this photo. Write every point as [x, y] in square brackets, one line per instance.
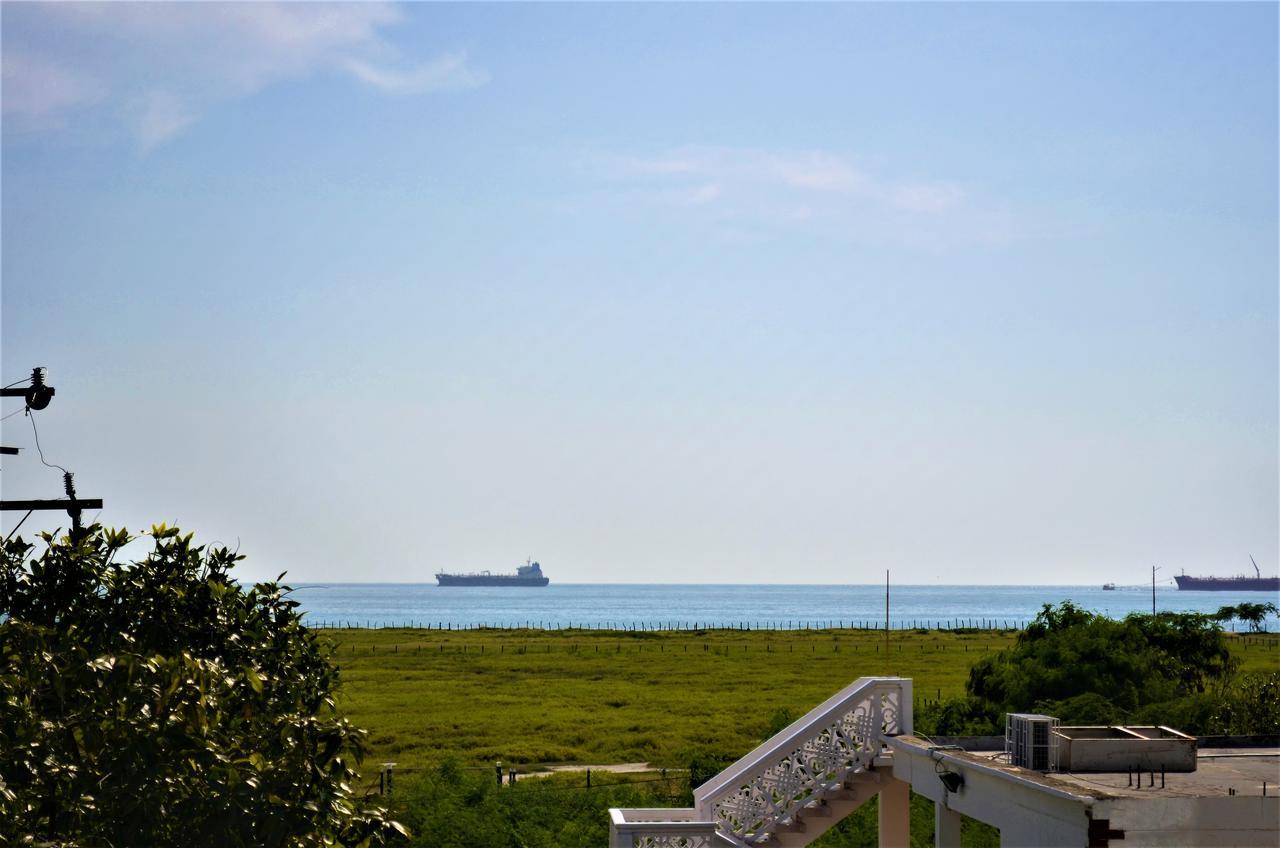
[841, 795]
[821, 817]
[790, 827]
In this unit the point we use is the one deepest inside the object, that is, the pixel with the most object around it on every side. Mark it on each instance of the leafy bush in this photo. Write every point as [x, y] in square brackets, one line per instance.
[1084, 668]
[159, 703]
[1252, 706]
[1089, 708]
[779, 720]
[704, 765]
[1191, 714]
[963, 716]
[1068, 652]
[450, 806]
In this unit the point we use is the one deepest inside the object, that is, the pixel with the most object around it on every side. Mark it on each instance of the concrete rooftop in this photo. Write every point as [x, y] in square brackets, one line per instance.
[1218, 770]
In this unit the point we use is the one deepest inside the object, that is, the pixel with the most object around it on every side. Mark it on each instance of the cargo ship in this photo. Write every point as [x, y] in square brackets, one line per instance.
[529, 574]
[1239, 583]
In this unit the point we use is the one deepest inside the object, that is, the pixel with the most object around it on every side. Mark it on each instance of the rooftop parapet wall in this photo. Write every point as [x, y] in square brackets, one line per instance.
[1117, 749]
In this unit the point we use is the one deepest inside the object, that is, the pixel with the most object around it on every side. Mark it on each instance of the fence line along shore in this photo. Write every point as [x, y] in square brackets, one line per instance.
[954, 625]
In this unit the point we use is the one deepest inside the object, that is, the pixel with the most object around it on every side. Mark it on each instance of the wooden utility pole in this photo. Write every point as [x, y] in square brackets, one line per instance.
[37, 396]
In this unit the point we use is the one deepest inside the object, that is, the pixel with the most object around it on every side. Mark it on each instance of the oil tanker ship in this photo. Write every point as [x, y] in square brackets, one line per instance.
[529, 574]
[1239, 583]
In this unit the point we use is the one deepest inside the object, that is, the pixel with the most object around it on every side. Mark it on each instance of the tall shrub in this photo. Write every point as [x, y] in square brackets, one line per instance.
[161, 703]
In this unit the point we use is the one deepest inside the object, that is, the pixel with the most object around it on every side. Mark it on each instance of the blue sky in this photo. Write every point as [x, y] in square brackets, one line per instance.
[692, 293]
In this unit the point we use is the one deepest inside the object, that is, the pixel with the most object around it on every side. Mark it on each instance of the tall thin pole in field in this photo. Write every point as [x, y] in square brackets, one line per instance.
[886, 621]
[1153, 589]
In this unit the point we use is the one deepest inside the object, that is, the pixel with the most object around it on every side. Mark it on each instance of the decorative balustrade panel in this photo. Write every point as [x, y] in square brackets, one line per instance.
[662, 828]
[769, 786]
[847, 741]
[672, 841]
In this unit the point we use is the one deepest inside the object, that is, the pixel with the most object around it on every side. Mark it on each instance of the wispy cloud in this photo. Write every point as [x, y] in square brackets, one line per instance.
[39, 92]
[160, 117]
[703, 194]
[818, 171]
[926, 197]
[744, 188]
[448, 72]
[660, 165]
[155, 68]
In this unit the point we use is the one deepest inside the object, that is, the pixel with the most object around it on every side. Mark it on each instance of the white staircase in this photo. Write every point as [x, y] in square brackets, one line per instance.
[792, 788]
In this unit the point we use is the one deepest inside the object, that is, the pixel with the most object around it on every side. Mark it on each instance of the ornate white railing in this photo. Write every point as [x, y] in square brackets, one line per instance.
[797, 768]
[661, 828]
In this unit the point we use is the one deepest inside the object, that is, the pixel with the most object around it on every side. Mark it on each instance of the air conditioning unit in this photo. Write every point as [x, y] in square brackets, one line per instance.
[1030, 742]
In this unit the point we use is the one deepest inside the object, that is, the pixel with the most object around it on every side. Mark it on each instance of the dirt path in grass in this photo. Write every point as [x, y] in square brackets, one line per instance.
[616, 768]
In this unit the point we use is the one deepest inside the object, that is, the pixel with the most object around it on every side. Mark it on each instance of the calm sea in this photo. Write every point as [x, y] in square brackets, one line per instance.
[624, 606]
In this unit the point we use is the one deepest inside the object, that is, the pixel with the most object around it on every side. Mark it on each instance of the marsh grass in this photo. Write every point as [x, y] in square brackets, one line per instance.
[531, 697]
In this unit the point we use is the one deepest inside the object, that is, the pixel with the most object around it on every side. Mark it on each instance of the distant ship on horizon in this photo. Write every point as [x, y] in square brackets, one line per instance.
[529, 574]
[1239, 583]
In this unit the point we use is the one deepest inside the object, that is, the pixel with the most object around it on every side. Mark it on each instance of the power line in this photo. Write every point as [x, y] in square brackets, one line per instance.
[37, 396]
[19, 524]
[41, 452]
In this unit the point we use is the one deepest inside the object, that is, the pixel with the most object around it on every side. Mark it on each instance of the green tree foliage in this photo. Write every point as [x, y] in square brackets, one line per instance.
[1252, 706]
[963, 716]
[779, 720]
[1067, 652]
[703, 766]
[1086, 668]
[1255, 615]
[159, 703]
[1186, 648]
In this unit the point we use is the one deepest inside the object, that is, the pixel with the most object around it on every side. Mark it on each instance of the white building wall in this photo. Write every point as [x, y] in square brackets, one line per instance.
[1026, 815]
[1034, 813]
[1222, 821]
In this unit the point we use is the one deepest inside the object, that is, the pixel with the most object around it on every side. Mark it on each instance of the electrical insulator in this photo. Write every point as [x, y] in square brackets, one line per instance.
[38, 394]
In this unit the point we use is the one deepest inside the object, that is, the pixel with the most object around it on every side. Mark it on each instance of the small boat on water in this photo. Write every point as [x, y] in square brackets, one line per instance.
[1110, 587]
[1238, 583]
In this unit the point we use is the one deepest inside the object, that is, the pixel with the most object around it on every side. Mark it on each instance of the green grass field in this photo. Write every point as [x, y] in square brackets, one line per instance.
[531, 697]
